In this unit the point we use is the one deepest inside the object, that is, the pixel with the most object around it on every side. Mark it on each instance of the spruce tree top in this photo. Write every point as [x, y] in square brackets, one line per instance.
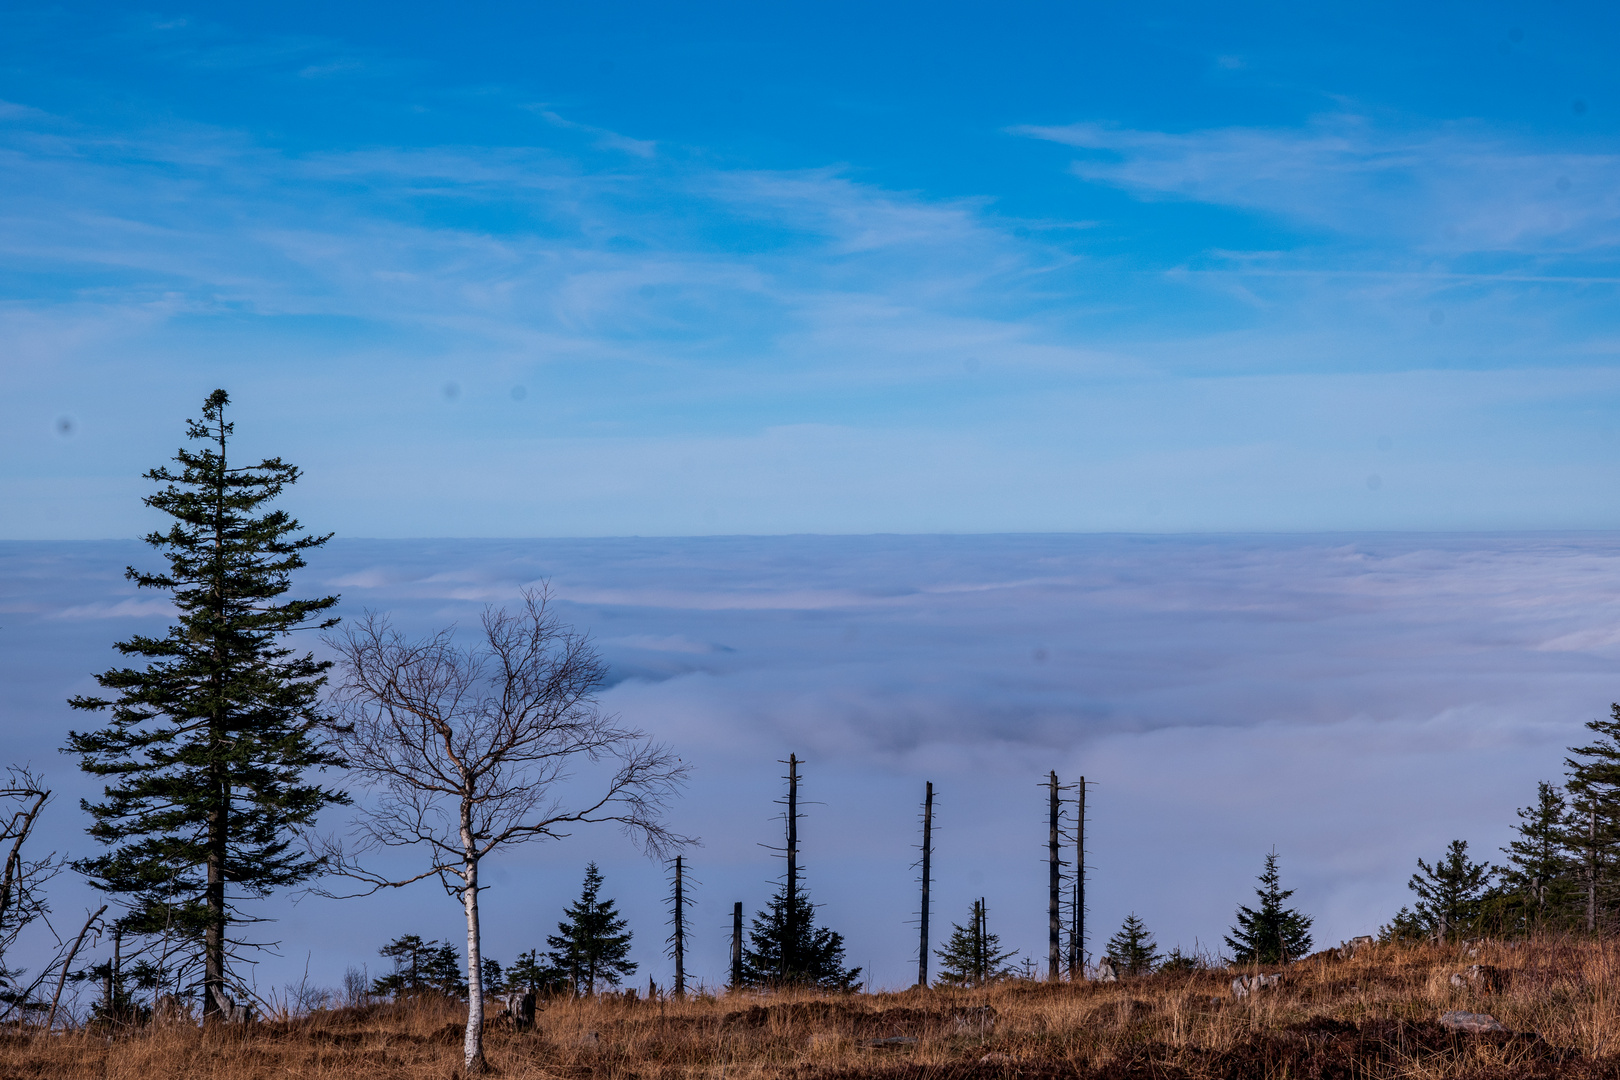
[208, 743]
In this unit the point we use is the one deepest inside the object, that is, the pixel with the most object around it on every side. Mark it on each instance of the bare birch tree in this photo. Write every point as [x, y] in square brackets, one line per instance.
[472, 749]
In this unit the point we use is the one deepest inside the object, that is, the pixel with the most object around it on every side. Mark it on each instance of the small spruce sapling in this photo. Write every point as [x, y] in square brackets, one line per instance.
[592, 943]
[817, 952]
[973, 956]
[1132, 949]
[1272, 933]
[1451, 892]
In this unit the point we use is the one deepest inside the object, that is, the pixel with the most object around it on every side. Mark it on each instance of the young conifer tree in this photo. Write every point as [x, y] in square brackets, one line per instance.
[973, 956]
[816, 953]
[1538, 885]
[591, 942]
[1271, 934]
[211, 740]
[1132, 949]
[1451, 892]
[536, 973]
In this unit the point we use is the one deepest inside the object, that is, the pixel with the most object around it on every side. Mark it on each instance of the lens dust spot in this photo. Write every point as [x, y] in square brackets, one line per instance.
[451, 391]
[1374, 482]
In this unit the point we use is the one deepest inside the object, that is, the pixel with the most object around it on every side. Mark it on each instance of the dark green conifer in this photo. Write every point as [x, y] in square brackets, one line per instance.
[1592, 825]
[591, 943]
[536, 973]
[816, 953]
[973, 956]
[1538, 888]
[1273, 934]
[420, 966]
[1450, 893]
[1132, 949]
[210, 742]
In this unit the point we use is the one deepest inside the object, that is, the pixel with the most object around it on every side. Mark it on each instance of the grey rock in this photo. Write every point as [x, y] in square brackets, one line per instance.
[1244, 985]
[1458, 1020]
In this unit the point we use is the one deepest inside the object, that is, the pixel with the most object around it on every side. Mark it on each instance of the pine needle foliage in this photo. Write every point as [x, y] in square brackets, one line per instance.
[209, 743]
[592, 943]
[1271, 933]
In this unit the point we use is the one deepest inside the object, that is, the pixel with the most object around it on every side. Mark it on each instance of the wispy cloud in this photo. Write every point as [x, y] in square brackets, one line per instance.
[1445, 188]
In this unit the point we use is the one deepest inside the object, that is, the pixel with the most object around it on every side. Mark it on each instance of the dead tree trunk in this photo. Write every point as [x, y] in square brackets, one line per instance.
[927, 868]
[67, 965]
[736, 946]
[1077, 932]
[1054, 885]
[981, 947]
[679, 897]
[790, 916]
[1591, 870]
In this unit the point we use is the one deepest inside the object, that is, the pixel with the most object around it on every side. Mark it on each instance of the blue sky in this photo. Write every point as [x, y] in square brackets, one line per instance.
[607, 270]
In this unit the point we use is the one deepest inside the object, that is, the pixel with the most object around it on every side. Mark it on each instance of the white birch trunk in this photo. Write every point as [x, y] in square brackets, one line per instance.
[473, 1044]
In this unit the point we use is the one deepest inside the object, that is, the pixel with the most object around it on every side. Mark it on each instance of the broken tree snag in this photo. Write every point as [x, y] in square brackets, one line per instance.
[791, 911]
[1054, 918]
[678, 920]
[736, 945]
[1077, 926]
[927, 853]
[67, 964]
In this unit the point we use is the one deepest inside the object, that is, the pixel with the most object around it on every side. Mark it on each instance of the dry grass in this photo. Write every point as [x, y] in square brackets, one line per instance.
[1373, 1016]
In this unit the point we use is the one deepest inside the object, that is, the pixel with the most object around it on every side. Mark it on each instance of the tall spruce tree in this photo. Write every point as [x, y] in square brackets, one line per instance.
[1592, 826]
[210, 742]
[1450, 893]
[591, 942]
[1271, 934]
[1132, 949]
[815, 954]
[1537, 888]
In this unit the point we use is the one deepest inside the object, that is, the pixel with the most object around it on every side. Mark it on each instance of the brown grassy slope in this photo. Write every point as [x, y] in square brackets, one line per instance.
[1373, 1016]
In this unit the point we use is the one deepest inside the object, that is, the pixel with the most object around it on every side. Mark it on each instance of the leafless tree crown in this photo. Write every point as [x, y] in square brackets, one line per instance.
[479, 743]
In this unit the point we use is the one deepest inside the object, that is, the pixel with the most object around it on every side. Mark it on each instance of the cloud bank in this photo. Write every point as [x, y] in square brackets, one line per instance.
[1356, 700]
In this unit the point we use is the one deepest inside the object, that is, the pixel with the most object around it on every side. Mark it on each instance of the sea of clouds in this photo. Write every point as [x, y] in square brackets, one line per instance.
[1355, 701]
